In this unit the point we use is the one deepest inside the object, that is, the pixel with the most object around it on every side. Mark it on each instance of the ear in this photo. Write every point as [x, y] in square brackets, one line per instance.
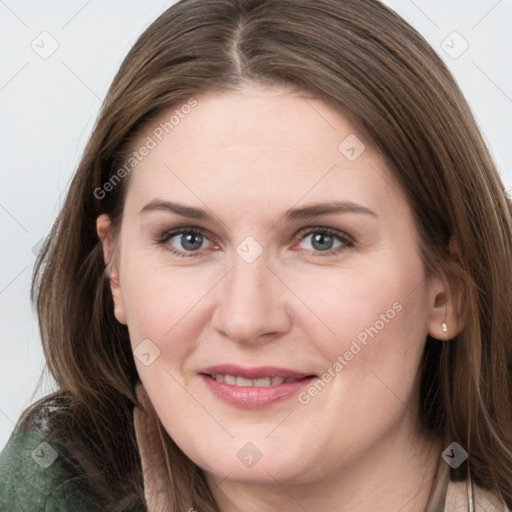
[110, 256]
[444, 305]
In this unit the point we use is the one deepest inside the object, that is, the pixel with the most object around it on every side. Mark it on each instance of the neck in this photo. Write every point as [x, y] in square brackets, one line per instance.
[398, 474]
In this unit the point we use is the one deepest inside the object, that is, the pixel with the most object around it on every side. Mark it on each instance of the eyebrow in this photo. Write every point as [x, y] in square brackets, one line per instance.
[304, 213]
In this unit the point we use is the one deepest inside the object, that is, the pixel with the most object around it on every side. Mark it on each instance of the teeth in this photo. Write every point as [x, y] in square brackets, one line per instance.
[229, 379]
[265, 382]
[243, 382]
[240, 381]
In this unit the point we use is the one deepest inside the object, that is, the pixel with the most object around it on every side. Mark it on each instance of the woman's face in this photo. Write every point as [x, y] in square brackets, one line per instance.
[262, 236]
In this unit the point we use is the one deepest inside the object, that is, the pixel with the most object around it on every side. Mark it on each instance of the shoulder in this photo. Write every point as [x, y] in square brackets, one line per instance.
[483, 500]
[35, 472]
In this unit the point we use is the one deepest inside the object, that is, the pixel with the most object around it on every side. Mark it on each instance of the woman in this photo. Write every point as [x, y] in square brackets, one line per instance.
[246, 152]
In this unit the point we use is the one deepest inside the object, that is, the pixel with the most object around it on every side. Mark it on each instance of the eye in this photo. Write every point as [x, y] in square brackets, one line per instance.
[184, 242]
[187, 241]
[326, 241]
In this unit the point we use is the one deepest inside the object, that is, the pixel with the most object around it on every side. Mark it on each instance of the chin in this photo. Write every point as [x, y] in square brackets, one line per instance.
[244, 466]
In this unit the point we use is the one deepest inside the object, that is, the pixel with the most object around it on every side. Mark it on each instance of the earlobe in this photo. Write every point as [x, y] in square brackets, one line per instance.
[445, 319]
[111, 270]
[444, 315]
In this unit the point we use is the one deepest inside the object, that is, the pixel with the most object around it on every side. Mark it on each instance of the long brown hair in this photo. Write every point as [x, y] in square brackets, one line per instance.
[365, 60]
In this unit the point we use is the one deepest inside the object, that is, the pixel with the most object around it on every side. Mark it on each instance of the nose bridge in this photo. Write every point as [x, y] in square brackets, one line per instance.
[248, 287]
[250, 302]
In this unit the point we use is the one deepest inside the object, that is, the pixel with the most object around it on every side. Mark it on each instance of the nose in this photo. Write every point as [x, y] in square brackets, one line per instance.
[252, 303]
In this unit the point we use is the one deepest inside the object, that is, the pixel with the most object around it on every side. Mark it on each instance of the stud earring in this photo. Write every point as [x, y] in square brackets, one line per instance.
[444, 326]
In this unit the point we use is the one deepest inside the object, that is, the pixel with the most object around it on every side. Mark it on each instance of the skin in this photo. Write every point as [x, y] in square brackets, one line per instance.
[248, 157]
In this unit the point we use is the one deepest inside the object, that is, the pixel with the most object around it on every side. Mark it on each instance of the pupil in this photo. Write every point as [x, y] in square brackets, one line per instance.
[188, 241]
[321, 239]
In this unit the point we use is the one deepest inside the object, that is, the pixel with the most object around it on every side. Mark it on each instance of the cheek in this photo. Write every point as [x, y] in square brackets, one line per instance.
[373, 324]
[373, 360]
[161, 306]
[156, 296]
[362, 306]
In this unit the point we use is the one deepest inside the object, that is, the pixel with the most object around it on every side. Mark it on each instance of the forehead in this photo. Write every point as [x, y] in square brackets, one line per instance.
[254, 145]
[254, 117]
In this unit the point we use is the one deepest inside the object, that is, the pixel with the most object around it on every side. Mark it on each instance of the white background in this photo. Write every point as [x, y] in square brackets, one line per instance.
[48, 107]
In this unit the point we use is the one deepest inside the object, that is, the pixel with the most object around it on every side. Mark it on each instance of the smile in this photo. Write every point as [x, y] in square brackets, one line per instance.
[243, 382]
[253, 388]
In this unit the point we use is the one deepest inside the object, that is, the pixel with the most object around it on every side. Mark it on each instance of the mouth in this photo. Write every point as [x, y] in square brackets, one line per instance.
[233, 380]
[253, 388]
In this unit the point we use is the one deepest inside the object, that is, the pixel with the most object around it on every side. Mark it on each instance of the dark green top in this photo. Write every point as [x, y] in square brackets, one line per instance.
[35, 476]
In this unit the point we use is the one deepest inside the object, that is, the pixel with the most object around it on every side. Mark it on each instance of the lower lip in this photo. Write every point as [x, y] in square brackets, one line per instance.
[254, 397]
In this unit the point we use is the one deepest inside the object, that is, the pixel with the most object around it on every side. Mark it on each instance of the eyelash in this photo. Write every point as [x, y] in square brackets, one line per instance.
[347, 241]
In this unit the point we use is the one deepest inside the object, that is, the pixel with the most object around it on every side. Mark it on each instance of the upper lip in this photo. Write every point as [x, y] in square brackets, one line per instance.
[259, 372]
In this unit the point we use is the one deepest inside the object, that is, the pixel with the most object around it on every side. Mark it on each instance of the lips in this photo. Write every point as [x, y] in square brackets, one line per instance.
[253, 388]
